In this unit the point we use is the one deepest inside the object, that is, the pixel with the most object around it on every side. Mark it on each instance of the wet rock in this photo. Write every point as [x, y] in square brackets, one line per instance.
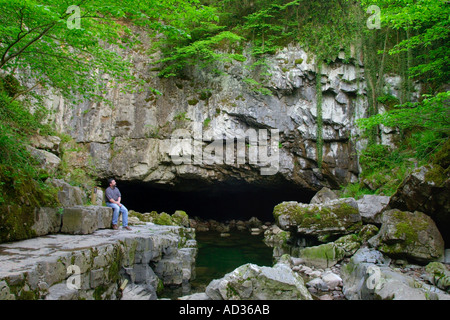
[254, 222]
[252, 282]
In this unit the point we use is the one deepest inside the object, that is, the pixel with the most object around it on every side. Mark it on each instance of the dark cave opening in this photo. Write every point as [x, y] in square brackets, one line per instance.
[221, 202]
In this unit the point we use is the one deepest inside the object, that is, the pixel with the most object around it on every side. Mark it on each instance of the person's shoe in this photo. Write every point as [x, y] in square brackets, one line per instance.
[127, 228]
[115, 226]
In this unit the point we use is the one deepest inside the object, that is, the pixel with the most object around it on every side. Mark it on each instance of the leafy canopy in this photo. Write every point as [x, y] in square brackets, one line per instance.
[36, 39]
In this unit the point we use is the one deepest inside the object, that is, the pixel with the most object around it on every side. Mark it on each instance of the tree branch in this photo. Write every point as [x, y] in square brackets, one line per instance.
[5, 58]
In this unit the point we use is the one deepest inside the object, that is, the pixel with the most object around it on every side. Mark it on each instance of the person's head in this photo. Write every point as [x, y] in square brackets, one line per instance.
[112, 182]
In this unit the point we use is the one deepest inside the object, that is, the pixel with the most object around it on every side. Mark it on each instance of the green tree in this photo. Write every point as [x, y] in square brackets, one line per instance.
[416, 46]
[426, 24]
[39, 44]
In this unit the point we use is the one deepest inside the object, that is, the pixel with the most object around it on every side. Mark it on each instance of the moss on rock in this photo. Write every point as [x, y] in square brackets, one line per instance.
[179, 218]
[409, 235]
[328, 254]
[323, 221]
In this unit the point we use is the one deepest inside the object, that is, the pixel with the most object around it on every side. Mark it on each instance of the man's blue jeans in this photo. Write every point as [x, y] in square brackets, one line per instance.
[116, 212]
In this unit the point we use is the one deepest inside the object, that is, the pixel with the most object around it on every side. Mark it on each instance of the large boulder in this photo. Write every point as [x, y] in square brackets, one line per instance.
[85, 220]
[371, 206]
[426, 190]
[328, 254]
[321, 221]
[409, 235]
[252, 282]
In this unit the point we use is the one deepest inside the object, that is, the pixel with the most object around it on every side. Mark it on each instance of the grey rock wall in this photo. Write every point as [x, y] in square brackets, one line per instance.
[130, 140]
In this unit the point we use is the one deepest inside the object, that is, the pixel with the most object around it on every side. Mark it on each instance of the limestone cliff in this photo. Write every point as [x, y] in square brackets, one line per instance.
[130, 139]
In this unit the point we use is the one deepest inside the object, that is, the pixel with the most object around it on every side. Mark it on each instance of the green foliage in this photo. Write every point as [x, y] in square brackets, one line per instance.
[355, 190]
[21, 186]
[202, 52]
[389, 100]
[36, 37]
[424, 125]
[428, 29]
[383, 170]
[430, 114]
[216, 30]
[416, 47]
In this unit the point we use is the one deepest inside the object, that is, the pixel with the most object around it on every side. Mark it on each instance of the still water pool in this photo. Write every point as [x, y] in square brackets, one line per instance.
[218, 256]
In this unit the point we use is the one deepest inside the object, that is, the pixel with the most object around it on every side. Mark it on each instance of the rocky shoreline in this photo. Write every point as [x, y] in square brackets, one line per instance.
[330, 249]
[340, 248]
[103, 265]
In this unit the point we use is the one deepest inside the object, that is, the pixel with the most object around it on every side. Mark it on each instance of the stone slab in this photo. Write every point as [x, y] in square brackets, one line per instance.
[85, 220]
[38, 265]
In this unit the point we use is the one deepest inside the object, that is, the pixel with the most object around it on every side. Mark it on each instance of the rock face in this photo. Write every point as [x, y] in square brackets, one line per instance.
[322, 221]
[68, 195]
[252, 282]
[409, 235]
[47, 160]
[131, 140]
[62, 267]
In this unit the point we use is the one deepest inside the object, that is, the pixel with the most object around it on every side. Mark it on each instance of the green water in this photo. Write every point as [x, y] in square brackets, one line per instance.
[218, 256]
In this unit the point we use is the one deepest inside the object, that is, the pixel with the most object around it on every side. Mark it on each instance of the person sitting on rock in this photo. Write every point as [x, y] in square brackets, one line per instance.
[113, 198]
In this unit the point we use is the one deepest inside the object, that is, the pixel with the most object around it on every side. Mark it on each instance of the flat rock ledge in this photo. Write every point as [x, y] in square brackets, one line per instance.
[99, 265]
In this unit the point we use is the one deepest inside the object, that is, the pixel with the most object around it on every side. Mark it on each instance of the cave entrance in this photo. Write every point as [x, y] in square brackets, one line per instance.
[221, 202]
